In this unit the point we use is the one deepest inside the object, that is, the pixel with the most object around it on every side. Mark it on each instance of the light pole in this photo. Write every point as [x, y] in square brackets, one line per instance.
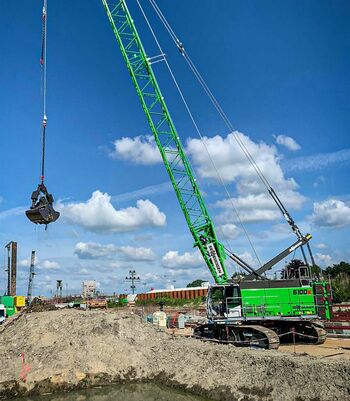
[59, 288]
[132, 278]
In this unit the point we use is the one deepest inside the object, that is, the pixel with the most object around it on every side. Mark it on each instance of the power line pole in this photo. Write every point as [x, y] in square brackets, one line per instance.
[132, 278]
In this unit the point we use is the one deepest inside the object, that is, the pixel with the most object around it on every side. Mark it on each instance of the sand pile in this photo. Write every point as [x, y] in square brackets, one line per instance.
[74, 349]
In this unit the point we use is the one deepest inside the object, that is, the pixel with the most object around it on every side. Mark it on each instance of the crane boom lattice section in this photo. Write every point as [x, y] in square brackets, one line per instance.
[167, 139]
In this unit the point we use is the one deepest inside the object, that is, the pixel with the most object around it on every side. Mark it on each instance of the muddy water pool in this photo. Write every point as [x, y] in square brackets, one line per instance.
[125, 392]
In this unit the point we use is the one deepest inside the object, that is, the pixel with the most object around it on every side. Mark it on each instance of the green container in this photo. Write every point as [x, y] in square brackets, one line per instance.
[10, 311]
[9, 303]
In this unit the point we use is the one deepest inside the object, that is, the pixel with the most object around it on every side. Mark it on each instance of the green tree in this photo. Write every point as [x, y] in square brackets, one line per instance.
[195, 283]
[291, 270]
[340, 279]
[336, 269]
[316, 270]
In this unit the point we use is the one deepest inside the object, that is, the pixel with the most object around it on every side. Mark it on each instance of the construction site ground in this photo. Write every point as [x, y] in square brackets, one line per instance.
[71, 349]
[331, 348]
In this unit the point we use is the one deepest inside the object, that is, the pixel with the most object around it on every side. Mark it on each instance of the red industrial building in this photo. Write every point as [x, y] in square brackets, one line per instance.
[177, 293]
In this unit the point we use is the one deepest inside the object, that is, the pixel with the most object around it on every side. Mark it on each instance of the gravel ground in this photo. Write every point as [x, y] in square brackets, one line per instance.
[70, 349]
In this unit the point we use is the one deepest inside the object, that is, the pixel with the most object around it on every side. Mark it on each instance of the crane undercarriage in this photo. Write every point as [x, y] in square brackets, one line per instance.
[268, 335]
[265, 314]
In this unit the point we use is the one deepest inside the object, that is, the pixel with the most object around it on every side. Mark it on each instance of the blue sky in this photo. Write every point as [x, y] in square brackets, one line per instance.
[279, 69]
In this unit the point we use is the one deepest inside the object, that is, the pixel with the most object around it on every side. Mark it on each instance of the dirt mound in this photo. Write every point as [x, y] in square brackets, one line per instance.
[38, 306]
[74, 349]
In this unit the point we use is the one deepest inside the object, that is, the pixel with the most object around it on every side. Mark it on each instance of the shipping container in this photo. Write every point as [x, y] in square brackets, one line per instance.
[20, 301]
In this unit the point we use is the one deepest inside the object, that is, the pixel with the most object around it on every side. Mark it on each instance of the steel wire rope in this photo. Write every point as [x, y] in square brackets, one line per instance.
[230, 126]
[228, 123]
[200, 135]
[43, 88]
[209, 93]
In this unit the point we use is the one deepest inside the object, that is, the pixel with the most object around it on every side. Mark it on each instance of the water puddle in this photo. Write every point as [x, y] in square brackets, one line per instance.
[125, 392]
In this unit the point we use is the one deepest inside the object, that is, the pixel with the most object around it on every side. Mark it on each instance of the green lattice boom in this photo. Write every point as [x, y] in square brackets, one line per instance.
[166, 137]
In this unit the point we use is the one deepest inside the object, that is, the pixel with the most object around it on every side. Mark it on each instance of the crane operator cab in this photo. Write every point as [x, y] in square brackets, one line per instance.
[41, 210]
[224, 301]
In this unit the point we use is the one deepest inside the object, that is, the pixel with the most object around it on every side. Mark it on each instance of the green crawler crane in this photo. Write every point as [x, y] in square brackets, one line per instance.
[256, 311]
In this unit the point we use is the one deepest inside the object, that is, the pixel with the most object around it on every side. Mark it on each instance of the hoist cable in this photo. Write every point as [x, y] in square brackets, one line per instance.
[198, 131]
[43, 84]
[227, 121]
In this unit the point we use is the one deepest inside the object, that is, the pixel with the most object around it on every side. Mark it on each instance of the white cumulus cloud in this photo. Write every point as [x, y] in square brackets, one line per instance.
[139, 150]
[231, 161]
[287, 142]
[331, 213]
[229, 231]
[40, 264]
[323, 260]
[252, 199]
[23, 263]
[133, 253]
[248, 258]
[173, 260]
[99, 215]
[233, 167]
[257, 207]
[93, 250]
[49, 265]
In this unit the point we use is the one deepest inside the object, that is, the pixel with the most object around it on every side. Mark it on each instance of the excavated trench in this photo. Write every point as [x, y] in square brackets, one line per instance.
[69, 349]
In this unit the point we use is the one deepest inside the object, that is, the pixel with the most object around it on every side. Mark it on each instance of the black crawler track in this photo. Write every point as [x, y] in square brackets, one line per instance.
[238, 335]
[251, 335]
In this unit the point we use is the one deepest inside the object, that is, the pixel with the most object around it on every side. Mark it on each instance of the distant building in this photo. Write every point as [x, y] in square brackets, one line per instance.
[178, 293]
[89, 289]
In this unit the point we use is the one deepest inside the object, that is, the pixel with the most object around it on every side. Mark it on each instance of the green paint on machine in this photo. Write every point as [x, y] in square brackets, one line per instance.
[263, 301]
[167, 140]
[287, 298]
[278, 302]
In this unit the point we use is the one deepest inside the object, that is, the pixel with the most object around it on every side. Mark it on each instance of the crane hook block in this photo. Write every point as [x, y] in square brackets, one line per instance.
[42, 211]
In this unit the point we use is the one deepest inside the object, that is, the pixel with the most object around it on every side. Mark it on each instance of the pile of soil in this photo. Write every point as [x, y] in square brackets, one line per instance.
[39, 306]
[69, 349]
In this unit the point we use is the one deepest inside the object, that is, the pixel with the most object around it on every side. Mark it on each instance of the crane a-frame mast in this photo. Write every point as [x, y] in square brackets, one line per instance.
[167, 140]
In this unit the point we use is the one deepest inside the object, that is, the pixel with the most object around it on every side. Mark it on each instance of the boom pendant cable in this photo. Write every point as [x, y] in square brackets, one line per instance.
[201, 137]
[41, 210]
[230, 126]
